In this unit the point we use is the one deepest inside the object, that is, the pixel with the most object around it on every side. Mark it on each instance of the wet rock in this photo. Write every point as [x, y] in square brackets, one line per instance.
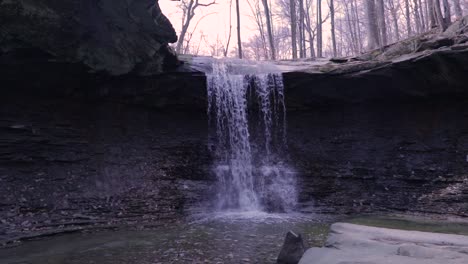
[349, 243]
[352, 124]
[460, 26]
[436, 43]
[292, 250]
[115, 36]
[388, 72]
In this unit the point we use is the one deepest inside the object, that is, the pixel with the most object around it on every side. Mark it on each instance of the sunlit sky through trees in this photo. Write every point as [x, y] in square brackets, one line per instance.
[210, 26]
[209, 29]
[214, 24]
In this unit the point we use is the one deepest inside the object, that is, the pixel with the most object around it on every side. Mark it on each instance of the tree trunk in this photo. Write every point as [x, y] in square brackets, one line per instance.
[269, 29]
[226, 49]
[340, 29]
[319, 29]
[357, 24]
[304, 27]
[301, 29]
[261, 26]
[292, 6]
[311, 44]
[447, 14]
[396, 27]
[372, 29]
[417, 19]
[332, 22]
[457, 8]
[187, 18]
[431, 14]
[351, 28]
[408, 18]
[421, 15]
[395, 22]
[308, 26]
[438, 15]
[381, 22]
[239, 42]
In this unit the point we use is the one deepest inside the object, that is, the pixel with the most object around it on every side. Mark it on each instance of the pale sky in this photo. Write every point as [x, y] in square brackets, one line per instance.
[216, 23]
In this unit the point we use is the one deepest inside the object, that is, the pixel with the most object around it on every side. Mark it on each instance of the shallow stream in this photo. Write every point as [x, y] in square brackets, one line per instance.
[218, 238]
[225, 238]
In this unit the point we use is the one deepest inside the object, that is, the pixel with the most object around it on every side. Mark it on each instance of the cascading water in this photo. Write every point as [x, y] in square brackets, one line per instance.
[251, 173]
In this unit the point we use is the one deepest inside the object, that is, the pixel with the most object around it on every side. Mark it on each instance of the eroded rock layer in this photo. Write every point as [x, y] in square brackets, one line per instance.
[83, 149]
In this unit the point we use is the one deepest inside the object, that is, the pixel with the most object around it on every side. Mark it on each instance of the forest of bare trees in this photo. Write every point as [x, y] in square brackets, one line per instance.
[315, 28]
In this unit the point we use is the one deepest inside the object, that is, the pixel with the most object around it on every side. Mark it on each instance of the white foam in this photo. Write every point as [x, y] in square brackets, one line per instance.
[242, 184]
[253, 217]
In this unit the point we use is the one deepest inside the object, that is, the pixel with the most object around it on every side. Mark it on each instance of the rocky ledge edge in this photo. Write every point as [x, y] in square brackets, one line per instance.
[353, 244]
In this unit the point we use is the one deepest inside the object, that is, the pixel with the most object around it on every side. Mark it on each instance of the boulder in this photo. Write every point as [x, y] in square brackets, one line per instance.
[112, 36]
[356, 244]
[292, 250]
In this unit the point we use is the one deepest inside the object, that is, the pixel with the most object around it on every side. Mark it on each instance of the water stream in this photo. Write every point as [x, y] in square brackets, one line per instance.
[247, 110]
[219, 238]
[228, 238]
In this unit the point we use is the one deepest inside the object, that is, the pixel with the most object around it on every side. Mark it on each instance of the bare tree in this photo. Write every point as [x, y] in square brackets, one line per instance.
[230, 30]
[457, 8]
[188, 8]
[190, 34]
[408, 17]
[394, 12]
[269, 29]
[258, 17]
[441, 22]
[308, 26]
[319, 29]
[357, 25]
[447, 14]
[421, 15]
[254, 49]
[431, 13]
[352, 23]
[351, 33]
[381, 22]
[340, 29]
[332, 24]
[239, 41]
[282, 38]
[293, 20]
[302, 49]
[372, 29]
[303, 28]
[417, 18]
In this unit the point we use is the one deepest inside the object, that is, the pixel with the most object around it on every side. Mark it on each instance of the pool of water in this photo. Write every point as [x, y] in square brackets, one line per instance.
[217, 238]
[229, 237]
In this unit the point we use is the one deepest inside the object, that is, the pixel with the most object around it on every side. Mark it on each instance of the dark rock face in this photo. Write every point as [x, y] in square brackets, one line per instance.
[80, 149]
[113, 36]
[101, 153]
[420, 77]
[84, 162]
[388, 131]
[292, 250]
[395, 156]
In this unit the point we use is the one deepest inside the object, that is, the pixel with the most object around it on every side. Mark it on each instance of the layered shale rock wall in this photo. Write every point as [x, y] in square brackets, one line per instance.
[96, 129]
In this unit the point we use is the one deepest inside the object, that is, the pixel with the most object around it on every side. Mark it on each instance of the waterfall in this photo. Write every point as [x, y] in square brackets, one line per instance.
[248, 114]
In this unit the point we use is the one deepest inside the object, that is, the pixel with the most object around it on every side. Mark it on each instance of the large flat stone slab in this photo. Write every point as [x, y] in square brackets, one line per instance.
[356, 244]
